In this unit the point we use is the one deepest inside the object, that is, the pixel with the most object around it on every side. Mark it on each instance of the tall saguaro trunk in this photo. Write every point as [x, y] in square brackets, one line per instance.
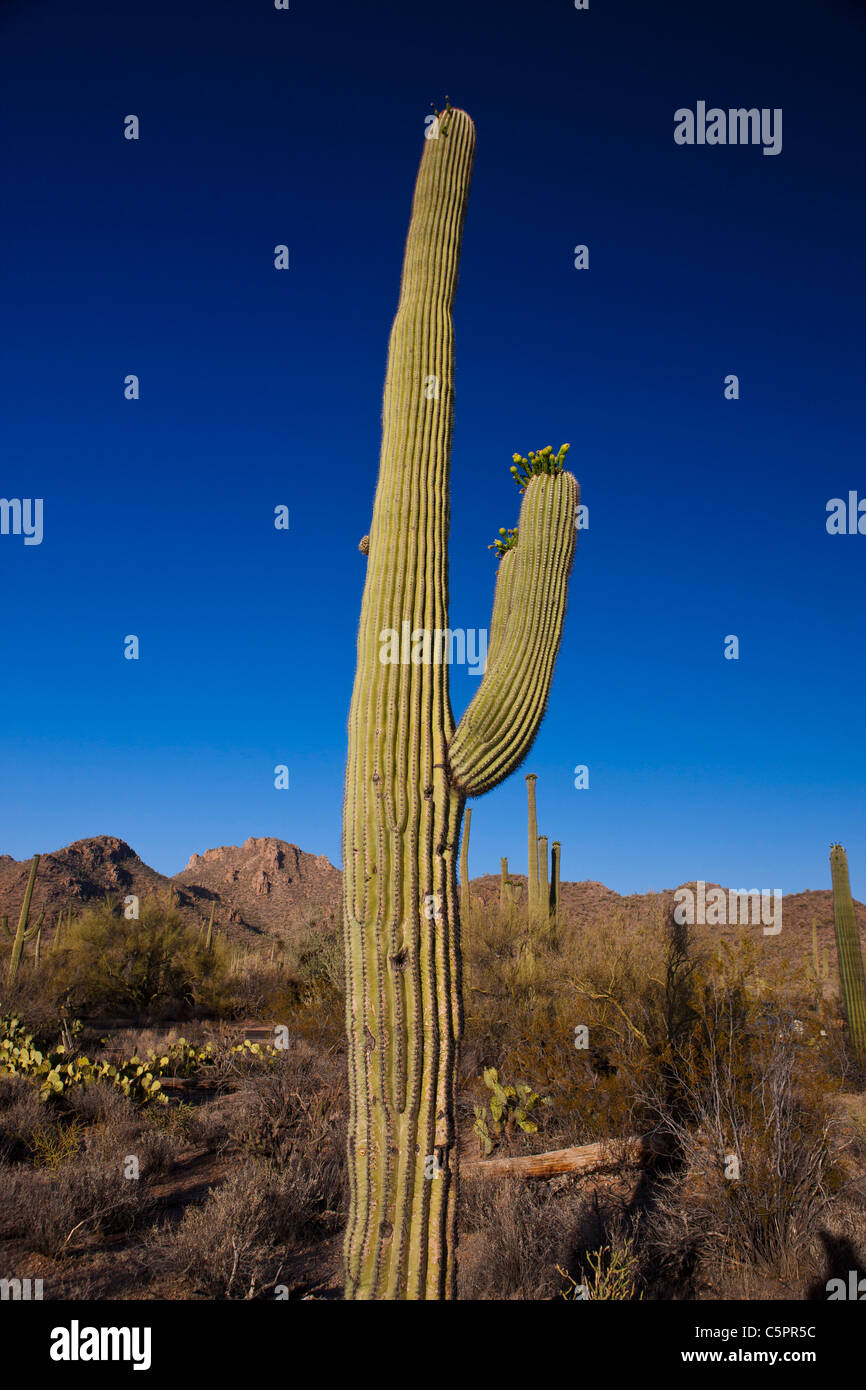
[409, 771]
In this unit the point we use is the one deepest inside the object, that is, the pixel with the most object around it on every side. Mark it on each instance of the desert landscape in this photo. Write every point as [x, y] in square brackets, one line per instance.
[396, 487]
[174, 1101]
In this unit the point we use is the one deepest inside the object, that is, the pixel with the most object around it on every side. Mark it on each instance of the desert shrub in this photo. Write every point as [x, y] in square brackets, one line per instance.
[512, 1235]
[233, 1246]
[21, 1117]
[98, 1104]
[613, 1273]
[58, 1208]
[302, 985]
[745, 1106]
[134, 967]
[294, 1118]
[629, 988]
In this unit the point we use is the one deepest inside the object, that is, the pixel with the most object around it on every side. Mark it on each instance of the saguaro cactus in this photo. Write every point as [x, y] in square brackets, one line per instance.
[410, 771]
[532, 852]
[23, 933]
[503, 885]
[851, 971]
[208, 940]
[543, 879]
[464, 864]
[555, 854]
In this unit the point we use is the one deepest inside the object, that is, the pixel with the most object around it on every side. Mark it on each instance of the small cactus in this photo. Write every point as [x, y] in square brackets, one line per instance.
[464, 864]
[23, 933]
[543, 879]
[555, 854]
[208, 941]
[851, 971]
[532, 868]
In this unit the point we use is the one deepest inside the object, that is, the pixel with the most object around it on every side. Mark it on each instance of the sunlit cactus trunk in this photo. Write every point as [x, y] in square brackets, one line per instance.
[409, 771]
[851, 972]
[503, 885]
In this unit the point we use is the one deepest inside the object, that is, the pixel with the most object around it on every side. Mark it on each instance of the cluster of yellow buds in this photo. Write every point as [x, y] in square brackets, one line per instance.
[544, 461]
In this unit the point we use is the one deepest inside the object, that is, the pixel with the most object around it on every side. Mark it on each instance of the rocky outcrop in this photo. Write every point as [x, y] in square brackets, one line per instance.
[264, 887]
[274, 887]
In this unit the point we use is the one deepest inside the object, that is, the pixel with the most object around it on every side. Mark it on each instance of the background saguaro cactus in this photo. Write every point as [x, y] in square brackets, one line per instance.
[464, 864]
[410, 771]
[208, 940]
[543, 879]
[23, 932]
[555, 854]
[851, 971]
[532, 851]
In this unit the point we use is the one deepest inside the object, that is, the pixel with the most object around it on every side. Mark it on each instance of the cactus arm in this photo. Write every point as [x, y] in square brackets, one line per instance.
[35, 929]
[503, 603]
[500, 725]
[851, 970]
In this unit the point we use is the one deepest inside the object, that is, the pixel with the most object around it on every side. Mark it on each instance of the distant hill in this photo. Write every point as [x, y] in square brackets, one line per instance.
[265, 887]
[269, 888]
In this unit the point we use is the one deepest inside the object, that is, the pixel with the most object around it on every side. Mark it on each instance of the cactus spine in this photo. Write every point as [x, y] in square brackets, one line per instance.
[555, 852]
[409, 770]
[464, 865]
[851, 971]
[23, 933]
[532, 865]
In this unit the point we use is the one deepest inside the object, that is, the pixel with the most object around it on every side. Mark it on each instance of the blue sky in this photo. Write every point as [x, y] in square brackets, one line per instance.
[260, 387]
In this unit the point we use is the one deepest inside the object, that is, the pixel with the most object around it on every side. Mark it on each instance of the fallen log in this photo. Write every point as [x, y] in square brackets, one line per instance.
[609, 1154]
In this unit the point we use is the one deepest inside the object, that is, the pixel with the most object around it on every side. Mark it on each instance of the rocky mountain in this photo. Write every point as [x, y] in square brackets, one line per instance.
[265, 887]
[268, 888]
